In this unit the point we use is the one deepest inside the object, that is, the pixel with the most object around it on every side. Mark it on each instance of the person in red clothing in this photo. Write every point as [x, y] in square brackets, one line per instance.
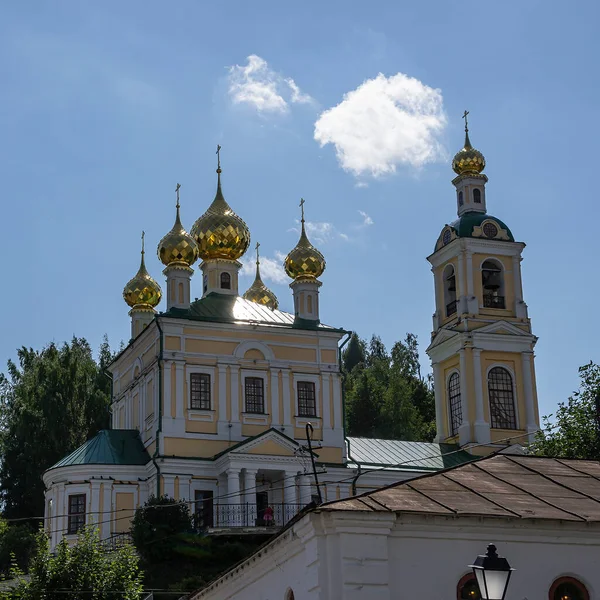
[268, 516]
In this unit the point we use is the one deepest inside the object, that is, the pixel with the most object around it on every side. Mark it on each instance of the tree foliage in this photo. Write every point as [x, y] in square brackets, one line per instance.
[17, 543]
[386, 396]
[83, 571]
[51, 402]
[574, 431]
[160, 530]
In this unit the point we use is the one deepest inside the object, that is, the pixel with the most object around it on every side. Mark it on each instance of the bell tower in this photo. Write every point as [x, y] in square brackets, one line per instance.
[482, 345]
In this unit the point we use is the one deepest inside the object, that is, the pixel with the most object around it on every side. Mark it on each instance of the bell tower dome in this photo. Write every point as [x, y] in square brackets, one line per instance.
[482, 344]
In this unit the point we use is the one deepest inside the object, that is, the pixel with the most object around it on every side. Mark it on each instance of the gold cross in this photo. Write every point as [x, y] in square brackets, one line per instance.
[257, 247]
[302, 207]
[177, 192]
[218, 156]
[466, 121]
[143, 235]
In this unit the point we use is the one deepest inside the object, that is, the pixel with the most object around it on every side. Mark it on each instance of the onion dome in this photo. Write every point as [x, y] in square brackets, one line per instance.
[304, 261]
[258, 292]
[178, 247]
[219, 232]
[468, 161]
[142, 291]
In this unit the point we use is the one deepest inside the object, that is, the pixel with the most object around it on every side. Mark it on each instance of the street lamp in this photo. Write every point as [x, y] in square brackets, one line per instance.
[492, 573]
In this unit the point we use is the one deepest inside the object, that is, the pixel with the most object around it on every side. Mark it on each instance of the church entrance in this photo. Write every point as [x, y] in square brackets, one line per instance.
[262, 502]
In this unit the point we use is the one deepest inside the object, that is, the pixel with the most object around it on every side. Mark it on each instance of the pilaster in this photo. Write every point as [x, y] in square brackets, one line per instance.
[464, 430]
[438, 388]
[482, 429]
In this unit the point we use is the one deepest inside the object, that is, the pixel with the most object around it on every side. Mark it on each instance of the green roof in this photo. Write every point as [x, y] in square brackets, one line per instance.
[463, 226]
[109, 447]
[226, 308]
[405, 455]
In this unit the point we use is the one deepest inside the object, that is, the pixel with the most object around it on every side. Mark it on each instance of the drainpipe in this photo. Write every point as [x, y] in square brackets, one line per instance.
[340, 348]
[109, 375]
[160, 405]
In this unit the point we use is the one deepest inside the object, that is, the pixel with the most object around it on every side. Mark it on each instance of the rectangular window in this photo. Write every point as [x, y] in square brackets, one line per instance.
[76, 513]
[307, 403]
[255, 395]
[200, 391]
[203, 509]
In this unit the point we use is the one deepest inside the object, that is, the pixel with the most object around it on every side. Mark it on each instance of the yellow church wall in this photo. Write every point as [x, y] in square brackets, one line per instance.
[209, 347]
[250, 430]
[329, 356]
[254, 354]
[172, 342]
[188, 447]
[201, 426]
[123, 511]
[300, 432]
[252, 335]
[150, 355]
[330, 454]
[290, 353]
[176, 488]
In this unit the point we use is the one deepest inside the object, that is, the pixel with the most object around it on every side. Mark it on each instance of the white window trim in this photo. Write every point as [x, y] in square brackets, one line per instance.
[447, 396]
[198, 414]
[302, 420]
[264, 375]
[515, 396]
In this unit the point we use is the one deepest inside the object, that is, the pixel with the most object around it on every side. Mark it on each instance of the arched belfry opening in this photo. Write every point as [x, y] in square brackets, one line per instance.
[449, 279]
[492, 281]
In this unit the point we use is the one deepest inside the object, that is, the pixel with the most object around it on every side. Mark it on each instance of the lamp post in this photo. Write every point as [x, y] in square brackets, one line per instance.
[492, 573]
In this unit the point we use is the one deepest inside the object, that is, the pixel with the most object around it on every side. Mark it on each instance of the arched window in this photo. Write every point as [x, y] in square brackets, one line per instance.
[568, 588]
[460, 199]
[477, 196]
[502, 401]
[309, 305]
[454, 402]
[225, 281]
[492, 281]
[449, 290]
[467, 588]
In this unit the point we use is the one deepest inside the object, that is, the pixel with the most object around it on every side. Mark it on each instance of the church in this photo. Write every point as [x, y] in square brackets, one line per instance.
[215, 399]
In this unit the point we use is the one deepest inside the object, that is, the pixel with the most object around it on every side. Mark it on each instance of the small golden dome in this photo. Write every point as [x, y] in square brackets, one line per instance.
[142, 291]
[219, 232]
[178, 247]
[468, 161]
[258, 292]
[304, 261]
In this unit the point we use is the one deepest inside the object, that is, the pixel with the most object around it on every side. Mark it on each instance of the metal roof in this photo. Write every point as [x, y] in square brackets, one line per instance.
[109, 447]
[405, 455]
[225, 308]
[521, 487]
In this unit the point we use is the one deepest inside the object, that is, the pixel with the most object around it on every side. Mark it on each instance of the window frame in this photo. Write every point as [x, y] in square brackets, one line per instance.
[76, 521]
[477, 196]
[200, 375]
[453, 429]
[513, 392]
[306, 412]
[573, 581]
[255, 378]
[225, 278]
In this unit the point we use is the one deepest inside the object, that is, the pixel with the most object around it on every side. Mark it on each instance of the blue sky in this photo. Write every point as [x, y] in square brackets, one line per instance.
[105, 106]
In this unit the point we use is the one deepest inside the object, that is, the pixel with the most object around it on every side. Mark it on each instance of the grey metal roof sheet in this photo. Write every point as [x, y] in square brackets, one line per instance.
[405, 455]
[521, 487]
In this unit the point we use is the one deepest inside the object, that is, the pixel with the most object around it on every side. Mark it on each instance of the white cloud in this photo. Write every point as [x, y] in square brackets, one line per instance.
[257, 85]
[366, 218]
[385, 122]
[271, 269]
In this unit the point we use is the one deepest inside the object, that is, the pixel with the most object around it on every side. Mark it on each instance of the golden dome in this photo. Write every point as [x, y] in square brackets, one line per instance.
[304, 261]
[178, 247]
[258, 292]
[142, 291]
[468, 161]
[219, 232]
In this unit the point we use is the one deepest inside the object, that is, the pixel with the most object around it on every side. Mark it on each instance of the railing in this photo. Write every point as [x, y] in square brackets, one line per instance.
[451, 308]
[249, 515]
[490, 301]
[117, 540]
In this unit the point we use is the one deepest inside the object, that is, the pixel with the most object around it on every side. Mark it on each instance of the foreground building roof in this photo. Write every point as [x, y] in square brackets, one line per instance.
[522, 487]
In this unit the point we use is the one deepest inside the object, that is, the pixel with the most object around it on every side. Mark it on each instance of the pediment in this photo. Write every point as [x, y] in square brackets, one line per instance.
[440, 337]
[270, 443]
[503, 328]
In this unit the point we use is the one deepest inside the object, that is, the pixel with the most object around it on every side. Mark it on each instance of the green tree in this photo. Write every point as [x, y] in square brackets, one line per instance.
[80, 572]
[574, 432]
[160, 529]
[354, 354]
[51, 402]
[17, 543]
